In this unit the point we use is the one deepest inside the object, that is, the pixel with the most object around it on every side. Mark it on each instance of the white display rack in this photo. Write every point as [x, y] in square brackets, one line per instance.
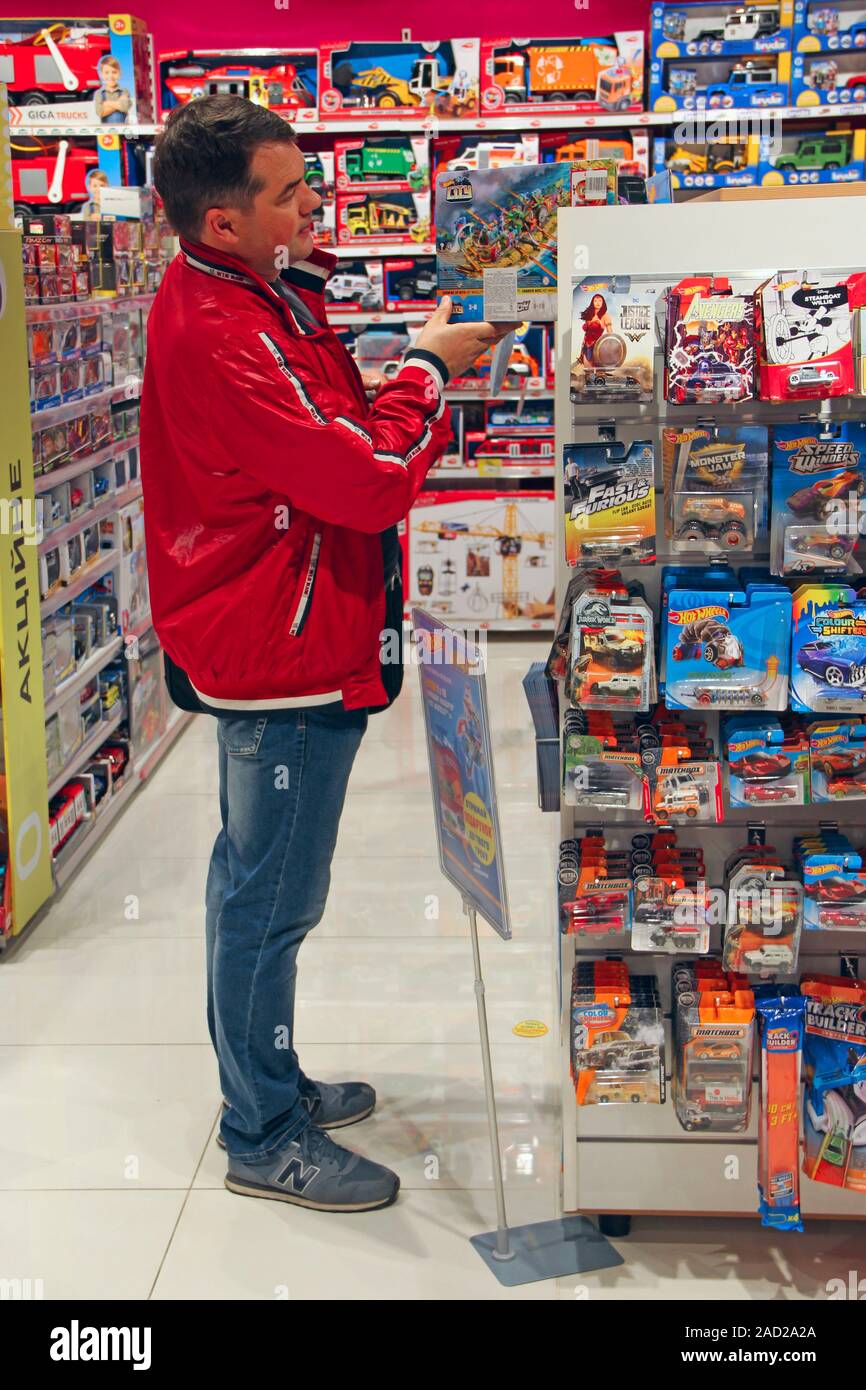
[67, 592]
[619, 1160]
[86, 750]
[44, 482]
[360, 251]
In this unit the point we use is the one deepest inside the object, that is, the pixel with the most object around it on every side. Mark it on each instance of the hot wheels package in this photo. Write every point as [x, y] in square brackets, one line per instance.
[610, 503]
[728, 649]
[834, 881]
[613, 340]
[828, 649]
[804, 327]
[768, 764]
[834, 1120]
[781, 1015]
[838, 756]
[819, 480]
[715, 488]
[710, 343]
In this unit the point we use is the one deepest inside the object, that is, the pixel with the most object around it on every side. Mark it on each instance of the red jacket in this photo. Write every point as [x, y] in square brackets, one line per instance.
[267, 480]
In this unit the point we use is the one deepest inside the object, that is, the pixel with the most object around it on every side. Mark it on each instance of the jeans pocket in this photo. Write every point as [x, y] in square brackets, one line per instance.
[242, 736]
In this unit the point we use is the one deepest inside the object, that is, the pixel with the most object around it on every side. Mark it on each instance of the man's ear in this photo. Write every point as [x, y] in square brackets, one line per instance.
[220, 225]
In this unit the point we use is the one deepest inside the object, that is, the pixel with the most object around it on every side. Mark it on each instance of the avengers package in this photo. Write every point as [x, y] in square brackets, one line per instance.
[710, 343]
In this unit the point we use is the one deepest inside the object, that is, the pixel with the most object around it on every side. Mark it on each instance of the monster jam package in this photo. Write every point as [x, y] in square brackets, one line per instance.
[781, 1011]
[728, 650]
[804, 334]
[617, 1036]
[834, 1057]
[828, 649]
[819, 479]
[764, 921]
[611, 657]
[713, 1027]
[612, 340]
[709, 343]
[715, 488]
[610, 503]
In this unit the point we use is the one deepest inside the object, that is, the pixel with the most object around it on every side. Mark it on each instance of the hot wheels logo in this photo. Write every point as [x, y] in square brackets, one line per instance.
[694, 615]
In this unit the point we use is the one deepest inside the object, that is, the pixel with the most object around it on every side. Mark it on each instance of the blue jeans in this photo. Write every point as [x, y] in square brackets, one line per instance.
[282, 787]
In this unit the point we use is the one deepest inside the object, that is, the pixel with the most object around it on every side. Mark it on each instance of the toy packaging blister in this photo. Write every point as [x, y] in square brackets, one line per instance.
[728, 649]
[439, 78]
[834, 882]
[597, 777]
[781, 1020]
[834, 1122]
[612, 340]
[603, 73]
[680, 790]
[804, 333]
[764, 920]
[611, 662]
[768, 764]
[837, 750]
[828, 649]
[668, 918]
[713, 1029]
[610, 503]
[709, 343]
[496, 240]
[286, 81]
[617, 1036]
[715, 488]
[819, 478]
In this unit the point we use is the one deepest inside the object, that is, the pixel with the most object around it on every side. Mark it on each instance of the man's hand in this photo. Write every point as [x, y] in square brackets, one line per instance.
[458, 344]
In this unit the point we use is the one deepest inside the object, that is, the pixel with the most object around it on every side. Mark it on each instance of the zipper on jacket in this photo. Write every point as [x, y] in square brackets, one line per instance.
[305, 599]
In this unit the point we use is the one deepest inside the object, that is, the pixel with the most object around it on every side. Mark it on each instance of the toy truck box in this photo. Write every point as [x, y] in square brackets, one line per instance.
[482, 557]
[613, 340]
[382, 162]
[723, 160]
[383, 217]
[586, 74]
[715, 489]
[460, 154]
[835, 155]
[828, 650]
[409, 283]
[727, 650]
[832, 27]
[751, 26]
[436, 78]
[284, 80]
[73, 72]
[804, 331]
[819, 481]
[707, 84]
[355, 287]
[528, 367]
[628, 149]
[829, 79]
[496, 240]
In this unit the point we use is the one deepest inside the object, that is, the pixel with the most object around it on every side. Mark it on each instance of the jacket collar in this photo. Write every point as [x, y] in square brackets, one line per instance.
[307, 277]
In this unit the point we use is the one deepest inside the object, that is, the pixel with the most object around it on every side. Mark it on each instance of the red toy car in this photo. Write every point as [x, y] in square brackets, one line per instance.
[840, 764]
[765, 791]
[33, 74]
[52, 182]
[761, 766]
[837, 890]
[841, 917]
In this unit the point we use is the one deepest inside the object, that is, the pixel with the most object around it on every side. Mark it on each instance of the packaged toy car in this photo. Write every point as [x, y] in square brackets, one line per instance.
[833, 155]
[392, 161]
[613, 340]
[355, 287]
[819, 479]
[678, 791]
[669, 918]
[715, 488]
[834, 882]
[610, 503]
[611, 654]
[768, 765]
[285, 81]
[402, 216]
[713, 1027]
[804, 329]
[831, 79]
[728, 161]
[710, 344]
[781, 1016]
[409, 282]
[728, 649]
[834, 1058]
[595, 777]
[617, 1036]
[841, 25]
[765, 918]
[742, 26]
[708, 83]
[496, 240]
[526, 370]
[432, 78]
[828, 650]
[837, 750]
[592, 74]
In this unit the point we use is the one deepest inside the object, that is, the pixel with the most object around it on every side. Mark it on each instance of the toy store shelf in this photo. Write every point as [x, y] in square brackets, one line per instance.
[34, 125]
[504, 624]
[84, 673]
[343, 317]
[67, 592]
[128, 493]
[360, 250]
[511, 394]
[43, 482]
[72, 528]
[51, 313]
[443, 476]
[86, 750]
[56, 414]
[73, 854]
[175, 728]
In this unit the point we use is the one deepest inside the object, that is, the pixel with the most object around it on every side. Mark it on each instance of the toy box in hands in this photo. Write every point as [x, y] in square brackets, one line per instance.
[834, 1055]
[743, 26]
[85, 71]
[715, 488]
[819, 480]
[284, 80]
[804, 331]
[828, 650]
[482, 557]
[591, 74]
[728, 650]
[610, 503]
[613, 340]
[709, 343]
[724, 160]
[436, 78]
[383, 162]
[829, 79]
[829, 156]
[706, 84]
[496, 240]
[391, 217]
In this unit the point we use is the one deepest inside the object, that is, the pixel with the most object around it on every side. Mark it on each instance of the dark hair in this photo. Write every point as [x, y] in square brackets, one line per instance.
[203, 157]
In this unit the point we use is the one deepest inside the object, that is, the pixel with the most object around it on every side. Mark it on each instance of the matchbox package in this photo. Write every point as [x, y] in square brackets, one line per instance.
[819, 479]
[804, 331]
[559, 76]
[713, 1031]
[612, 340]
[834, 1121]
[727, 649]
[715, 488]
[670, 919]
[828, 649]
[781, 1014]
[617, 1036]
[710, 343]
[610, 503]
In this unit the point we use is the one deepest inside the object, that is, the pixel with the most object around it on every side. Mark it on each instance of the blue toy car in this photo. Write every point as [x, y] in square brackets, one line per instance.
[835, 664]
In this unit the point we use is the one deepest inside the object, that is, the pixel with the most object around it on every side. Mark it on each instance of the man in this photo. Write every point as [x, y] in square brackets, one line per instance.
[272, 492]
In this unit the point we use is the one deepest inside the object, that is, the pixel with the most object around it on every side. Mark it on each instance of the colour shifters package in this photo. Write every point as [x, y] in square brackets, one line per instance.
[781, 1011]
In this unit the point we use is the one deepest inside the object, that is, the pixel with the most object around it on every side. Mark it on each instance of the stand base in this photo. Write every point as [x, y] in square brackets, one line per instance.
[548, 1250]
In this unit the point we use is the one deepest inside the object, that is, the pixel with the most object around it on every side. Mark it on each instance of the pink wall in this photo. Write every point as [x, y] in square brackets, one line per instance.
[210, 23]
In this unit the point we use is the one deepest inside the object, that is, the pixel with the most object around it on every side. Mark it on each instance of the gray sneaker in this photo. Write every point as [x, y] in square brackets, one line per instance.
[334, 1105]
[313, 1171]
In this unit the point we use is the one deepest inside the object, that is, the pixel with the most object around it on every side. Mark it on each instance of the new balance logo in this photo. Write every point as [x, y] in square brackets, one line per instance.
[296, 1177]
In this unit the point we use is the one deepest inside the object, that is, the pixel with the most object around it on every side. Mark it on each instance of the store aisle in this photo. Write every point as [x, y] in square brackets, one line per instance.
[110, 1181]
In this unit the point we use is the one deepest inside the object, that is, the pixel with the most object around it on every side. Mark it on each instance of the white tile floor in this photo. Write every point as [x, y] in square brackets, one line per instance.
[110, 1182]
